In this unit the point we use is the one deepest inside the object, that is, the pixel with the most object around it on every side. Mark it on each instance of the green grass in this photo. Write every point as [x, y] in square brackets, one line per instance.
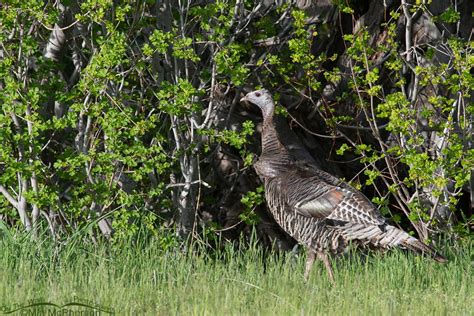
[147, 280]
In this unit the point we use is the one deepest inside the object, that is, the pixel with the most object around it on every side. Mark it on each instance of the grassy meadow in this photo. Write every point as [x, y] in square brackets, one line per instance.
[145, 279]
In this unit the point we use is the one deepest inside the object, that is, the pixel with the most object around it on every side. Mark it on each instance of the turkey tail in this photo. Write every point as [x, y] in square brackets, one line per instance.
[389, 237]
[404, 240]
[420, 247]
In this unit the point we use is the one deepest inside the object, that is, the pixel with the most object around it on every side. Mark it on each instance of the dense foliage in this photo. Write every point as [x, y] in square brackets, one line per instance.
[124, 115]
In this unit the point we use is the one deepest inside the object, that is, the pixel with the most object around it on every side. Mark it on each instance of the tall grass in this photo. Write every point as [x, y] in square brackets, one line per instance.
[145, 279]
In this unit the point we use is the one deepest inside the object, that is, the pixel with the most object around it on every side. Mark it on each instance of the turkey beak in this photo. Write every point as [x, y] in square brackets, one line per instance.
[243, 99]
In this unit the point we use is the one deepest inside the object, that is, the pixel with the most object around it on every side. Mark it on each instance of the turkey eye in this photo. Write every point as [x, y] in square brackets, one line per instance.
[257, 94]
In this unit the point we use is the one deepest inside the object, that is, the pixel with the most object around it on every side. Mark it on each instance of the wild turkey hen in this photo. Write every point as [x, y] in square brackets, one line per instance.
[320, 211]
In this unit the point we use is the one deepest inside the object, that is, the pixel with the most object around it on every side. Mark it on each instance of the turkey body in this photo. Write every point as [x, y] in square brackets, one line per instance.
[320, 211]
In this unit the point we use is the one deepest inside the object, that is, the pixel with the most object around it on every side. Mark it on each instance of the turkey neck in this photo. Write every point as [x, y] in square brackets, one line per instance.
[272, 148]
